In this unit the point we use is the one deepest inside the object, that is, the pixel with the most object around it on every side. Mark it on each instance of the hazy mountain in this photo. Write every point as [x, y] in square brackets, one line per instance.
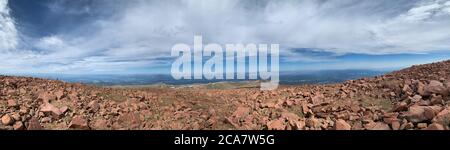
[306, 77]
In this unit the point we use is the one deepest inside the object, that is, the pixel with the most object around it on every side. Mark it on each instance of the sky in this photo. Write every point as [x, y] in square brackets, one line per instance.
[136, 36]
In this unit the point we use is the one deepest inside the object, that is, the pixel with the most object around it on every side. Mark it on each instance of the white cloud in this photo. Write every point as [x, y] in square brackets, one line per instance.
[50, 43]
[8, 31]
[140, 31]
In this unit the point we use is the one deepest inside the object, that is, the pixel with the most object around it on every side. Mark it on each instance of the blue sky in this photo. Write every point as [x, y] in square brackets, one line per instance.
[136, 36]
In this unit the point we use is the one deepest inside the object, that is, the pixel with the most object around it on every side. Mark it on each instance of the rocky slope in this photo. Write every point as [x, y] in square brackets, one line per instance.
[412, 98]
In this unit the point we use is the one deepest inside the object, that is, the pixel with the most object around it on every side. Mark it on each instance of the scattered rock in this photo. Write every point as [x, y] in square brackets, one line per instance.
[420, 113]
[313, 123]
[406, 126]
[130, 120]
[292, 118]
[395, 125]
[421, 89]
[63, 109]
[48, 108]
[15, 116]
[422, 125]
[7, 120]
[241, 112]
[377, 126]
[94, 106]
[435, 126]
[46, 120]
[18, 125]
[341, 125]
[443, 117]
[436, 99]
[12, 103]
[413, 98]
[23, 110]
[79, 122]
[276, 125]
[33, 124]
[416, 98]
[435, 87]
[59, 94]
[402, 106]
[100, 124]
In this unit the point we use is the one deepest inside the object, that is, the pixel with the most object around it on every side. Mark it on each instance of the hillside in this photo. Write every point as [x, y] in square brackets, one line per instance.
[412, 98]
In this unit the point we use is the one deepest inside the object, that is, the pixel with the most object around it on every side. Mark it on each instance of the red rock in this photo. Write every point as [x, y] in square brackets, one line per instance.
[33, 124]
[436, 99]
[241, 112]
[355, 108]
[422, 125]
[357, 126]
[289, 102]
[392, 94]
[46, 120]
[48, 108]
[435, 126]
[406, 88]
[435, 87]
[390, 120]
[73, 97]
[63, 109]
[377, 126]
[341, 125]
[231, 121]
[416, 98]
[420, 113]
[291, 117]
[305, 108]
[276, 125]
[100, 124]
[313, 122]
[268, 105]
[421, 89]
[23, 110]
[7, 120]
[45, 97]
[395, 125]
[79, 122]
[406, 126]
[59, 94]
[12, 103]
[300, 125]
[18, 126]
[443, 117]
[94, 106]
[402, 106]
[317, 99]
[15, 116]
[130, 120]
[390, 115]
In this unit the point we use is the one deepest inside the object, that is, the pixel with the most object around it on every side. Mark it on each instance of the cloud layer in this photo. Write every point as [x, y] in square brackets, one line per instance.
[8, 32]
[120, 36]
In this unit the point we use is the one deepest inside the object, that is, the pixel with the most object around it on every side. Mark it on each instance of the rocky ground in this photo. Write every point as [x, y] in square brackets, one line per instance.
[409, 99]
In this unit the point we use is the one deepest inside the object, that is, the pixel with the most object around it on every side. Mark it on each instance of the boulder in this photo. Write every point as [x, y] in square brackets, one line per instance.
[78, 122]
[7, 120]
[276, 125]
[435, 87]
[341, 125]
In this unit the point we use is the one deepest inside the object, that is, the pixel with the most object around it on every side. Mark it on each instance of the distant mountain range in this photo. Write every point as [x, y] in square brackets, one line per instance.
[289, 78]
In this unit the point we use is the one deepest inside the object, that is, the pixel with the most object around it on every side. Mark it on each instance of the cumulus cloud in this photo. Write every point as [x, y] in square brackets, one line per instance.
[138, 33]
[8, 31]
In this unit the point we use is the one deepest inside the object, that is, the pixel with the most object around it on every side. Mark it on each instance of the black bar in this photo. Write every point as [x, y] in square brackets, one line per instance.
[281, 138]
